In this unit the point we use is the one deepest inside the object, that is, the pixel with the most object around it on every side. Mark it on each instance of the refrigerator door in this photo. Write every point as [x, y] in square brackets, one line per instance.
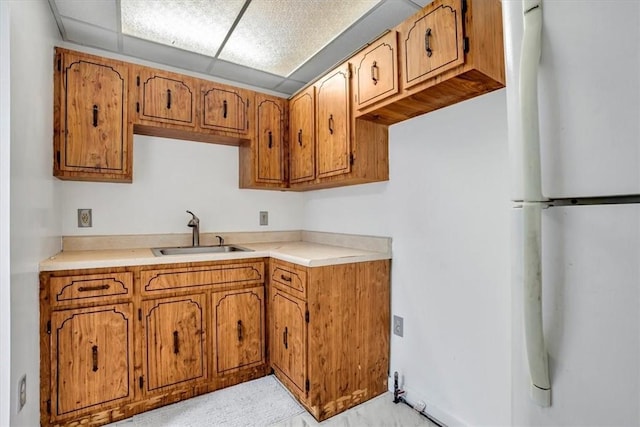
[591, 316]
[589, 97]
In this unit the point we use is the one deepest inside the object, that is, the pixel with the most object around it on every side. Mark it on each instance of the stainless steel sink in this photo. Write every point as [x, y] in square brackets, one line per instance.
[189, 250]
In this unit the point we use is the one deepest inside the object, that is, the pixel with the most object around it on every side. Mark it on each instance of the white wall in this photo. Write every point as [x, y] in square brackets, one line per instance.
[171, 176]
[35, 223]
[446, 207]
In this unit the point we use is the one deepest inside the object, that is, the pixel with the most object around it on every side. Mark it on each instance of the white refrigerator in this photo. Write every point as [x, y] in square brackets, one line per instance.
[574, 120]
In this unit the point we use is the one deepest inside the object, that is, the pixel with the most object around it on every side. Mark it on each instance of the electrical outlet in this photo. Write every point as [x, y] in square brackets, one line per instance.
[264, 218]
[84, 218]
[22, 392]
[398, 326]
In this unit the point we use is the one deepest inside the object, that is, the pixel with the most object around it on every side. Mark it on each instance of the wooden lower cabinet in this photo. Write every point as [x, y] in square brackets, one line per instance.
[329, 339]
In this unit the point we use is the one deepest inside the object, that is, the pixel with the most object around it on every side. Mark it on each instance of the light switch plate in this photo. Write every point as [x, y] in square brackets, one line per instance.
[84, 218]
[264, 218]
[398, 326]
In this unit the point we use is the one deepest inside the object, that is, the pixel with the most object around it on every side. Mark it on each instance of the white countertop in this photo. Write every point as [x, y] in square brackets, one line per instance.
[302, 253]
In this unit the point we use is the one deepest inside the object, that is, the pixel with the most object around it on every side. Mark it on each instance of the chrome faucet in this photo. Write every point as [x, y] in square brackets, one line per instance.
[194, 223]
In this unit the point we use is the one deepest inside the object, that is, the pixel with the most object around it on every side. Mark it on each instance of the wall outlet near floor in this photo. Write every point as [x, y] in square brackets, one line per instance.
[22, 392]
[264, 218]
[398, 326]
[84, 218]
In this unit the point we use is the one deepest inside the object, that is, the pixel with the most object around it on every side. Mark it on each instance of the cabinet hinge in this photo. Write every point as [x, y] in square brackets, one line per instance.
[58, 157]
[49, 406]
[464, 7]
[140, 314]
[465, 44]
[137, 80]
[352, 159]
[141, 382]
[306, 386]
[49, 327]
[137, 107]
[306, 316]
[59, 64]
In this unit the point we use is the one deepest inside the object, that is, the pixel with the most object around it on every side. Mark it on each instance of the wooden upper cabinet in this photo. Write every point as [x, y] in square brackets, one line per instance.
[333, 124]
[225, 108]
[91, 359]
[174, 334]
[91, 136]
[376, 71]
[433, 41]
[239, 324]
[165, 97]
[269, 139]
[302, 137]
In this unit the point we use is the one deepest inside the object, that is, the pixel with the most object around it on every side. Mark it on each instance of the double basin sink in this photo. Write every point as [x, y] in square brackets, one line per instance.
[190, 250]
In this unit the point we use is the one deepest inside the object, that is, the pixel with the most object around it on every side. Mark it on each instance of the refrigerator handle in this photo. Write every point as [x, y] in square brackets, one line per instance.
[532, 194]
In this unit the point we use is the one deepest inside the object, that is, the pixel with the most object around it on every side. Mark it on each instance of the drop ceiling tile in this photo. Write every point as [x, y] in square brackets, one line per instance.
[250, 76]
[95, 12]
[387, 15]
[290, 86]
[90, 35]
[164, 54]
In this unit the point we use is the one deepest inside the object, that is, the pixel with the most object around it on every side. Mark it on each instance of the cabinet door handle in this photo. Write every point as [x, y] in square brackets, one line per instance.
[176, 343]
[331, 124]
[270, 139]
[94, 357]
[93, 288]
[239, 330]
[427, 44]
[284, 337]
[300, 137]
[224, 109]
[285, 278]
[95, 116]
[168, 99]
[374, 73]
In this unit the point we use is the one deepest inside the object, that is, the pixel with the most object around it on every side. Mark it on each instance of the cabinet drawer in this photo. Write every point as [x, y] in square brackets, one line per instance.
[67, 290]
[289, 278]
[178, 279]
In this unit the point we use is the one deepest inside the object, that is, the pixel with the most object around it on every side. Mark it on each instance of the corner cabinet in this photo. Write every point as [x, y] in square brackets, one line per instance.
[92, 134]
[329, 333]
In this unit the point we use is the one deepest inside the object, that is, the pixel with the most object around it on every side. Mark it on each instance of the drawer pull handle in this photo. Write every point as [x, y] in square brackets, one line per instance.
[95, 116]
[239, 330]
[93, 288]
[224, 109]
[285, 338]
[331, 124]
[285, 278]
[94, 357]
[427, 44]
[300, 137]
[374, 73]
[176, 343]
[270, 139]
[168, 99]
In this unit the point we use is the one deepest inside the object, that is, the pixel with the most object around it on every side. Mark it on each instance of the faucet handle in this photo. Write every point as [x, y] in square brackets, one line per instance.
[195, 219]
[220, 240]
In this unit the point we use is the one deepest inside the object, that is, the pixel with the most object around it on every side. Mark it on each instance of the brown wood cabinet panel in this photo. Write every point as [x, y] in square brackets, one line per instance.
[91, 135]
[91, 359]
[225, 108]
[433, 42]
[288, 338]
[238, 318]
[302, 136]
[90, 288]
[166, 97]
[333, 126]
[174, 334]
[270, 143]
[376, 71]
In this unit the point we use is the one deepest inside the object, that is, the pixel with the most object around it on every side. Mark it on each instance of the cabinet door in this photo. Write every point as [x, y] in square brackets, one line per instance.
[238, 318]
[376, 71]
[91, 358]
[166, 97]
[432, 41]
[288, 337]
[91, 115]
[225, 108]
[175, 340]
[270, 116]
[302, 138]
[333, 123]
